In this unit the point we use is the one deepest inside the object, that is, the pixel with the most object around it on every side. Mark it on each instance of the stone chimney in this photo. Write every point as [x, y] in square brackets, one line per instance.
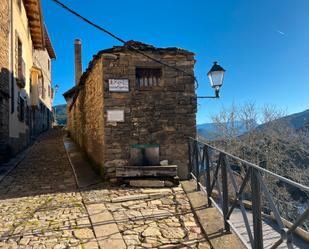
[78, 60]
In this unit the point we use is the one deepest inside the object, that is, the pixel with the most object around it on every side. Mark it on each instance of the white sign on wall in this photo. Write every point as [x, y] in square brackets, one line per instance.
[118, 85]
[115, 115]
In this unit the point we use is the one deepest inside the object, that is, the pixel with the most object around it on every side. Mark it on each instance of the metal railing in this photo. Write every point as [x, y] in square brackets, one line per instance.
[227, 189]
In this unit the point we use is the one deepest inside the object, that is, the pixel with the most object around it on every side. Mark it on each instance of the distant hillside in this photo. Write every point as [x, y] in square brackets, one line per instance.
[61, 114]
[296, 121]
[210, 131]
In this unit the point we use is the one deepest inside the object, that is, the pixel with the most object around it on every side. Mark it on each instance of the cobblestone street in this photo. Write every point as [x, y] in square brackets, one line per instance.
[41, 207]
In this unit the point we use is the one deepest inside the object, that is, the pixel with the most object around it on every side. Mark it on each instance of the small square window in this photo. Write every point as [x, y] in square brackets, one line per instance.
[148, 77]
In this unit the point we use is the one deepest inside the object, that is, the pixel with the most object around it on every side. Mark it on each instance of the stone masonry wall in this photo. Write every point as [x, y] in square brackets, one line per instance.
[4, 73]
[86, 116]
[164, 114]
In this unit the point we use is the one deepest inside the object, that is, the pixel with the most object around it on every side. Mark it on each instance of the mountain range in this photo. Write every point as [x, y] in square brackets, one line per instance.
[210, 130]
[60, 114]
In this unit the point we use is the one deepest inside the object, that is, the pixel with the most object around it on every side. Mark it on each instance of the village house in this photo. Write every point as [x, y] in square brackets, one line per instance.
[125, 100]
[26, 92]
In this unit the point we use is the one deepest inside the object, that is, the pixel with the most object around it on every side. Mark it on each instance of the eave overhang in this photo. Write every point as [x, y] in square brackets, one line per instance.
[36, 23]
[48, 45]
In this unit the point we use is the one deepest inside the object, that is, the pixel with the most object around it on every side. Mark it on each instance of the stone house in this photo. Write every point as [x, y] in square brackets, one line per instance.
[25, 59]
[125, 99]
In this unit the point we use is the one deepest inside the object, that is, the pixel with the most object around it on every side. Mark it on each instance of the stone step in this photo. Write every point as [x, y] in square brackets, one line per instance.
[139, 197]
[146, 171]
[151, 183]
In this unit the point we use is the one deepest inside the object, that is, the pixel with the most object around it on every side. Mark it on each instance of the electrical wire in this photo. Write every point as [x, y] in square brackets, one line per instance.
[122, 40]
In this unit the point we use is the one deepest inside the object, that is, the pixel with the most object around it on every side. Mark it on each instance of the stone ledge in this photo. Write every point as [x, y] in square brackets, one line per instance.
[146, 171]
[210, 220]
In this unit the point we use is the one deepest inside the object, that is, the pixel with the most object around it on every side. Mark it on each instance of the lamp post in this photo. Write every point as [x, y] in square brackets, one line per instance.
[215, 75]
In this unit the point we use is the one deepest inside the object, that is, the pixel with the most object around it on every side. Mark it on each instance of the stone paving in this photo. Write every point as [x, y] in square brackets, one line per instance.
[151, 218]
[41, 207]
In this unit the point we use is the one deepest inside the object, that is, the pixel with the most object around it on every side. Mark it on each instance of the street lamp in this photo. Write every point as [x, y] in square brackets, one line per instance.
[215, 75]
[56, 88]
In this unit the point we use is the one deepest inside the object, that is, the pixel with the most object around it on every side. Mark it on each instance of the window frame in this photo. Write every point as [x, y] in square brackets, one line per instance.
[147, 87]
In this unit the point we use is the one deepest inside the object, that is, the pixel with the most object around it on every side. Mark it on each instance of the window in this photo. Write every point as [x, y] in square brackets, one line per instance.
[20, 64]
[49, 91]
[21, 108]
[27, 116]
[43, 89]
[148, 77]
[48, 63]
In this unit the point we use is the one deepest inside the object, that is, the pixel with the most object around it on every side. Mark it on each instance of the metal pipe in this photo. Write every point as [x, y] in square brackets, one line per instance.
[190, 156]
[225, 194]
[256, 210]
[208, 187]
[197, 167]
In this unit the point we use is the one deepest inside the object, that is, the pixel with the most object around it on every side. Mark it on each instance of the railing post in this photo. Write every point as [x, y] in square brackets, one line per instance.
[225, 193]
[197, 168]
[256, 210]
[208, 184]
[190, 157]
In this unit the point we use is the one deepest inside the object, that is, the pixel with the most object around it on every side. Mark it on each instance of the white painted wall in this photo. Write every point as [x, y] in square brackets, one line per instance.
[21, 27]
[41, 58]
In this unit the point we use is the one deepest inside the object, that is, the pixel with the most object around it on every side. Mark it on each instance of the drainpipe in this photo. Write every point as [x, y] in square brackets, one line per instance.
[11, 58]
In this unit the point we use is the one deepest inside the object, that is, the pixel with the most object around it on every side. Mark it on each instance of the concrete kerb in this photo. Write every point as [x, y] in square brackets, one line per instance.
[210, 220]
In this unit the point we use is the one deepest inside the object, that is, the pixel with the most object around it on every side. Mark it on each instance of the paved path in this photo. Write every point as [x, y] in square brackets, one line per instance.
[40, 207]
[270, 231]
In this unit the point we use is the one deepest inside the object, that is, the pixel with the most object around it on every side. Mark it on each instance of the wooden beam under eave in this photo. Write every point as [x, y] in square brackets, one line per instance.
[31, 2]
[36, 23]
[34, 17]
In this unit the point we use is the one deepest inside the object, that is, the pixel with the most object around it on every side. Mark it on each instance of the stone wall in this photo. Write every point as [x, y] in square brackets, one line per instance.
[164, 114]
[86, 116]
[41, 120]
[4, 76]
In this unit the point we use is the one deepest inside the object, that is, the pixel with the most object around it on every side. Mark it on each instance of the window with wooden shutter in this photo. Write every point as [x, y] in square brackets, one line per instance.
[43, 89]
[146, 78]
[21, 68]
[21, 108]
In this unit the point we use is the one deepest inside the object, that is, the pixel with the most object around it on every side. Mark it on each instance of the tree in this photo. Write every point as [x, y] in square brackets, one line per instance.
[262, 136]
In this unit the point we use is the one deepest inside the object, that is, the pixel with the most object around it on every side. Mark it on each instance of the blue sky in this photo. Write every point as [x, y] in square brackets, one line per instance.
[263, 45]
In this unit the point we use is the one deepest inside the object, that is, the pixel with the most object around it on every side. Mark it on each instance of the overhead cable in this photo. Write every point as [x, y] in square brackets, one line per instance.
[122, 40]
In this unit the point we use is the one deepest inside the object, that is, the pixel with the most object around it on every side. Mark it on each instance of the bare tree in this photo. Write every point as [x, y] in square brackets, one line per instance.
[262, 136]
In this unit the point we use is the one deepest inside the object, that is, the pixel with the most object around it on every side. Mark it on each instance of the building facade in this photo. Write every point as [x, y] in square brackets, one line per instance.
[28, 50]
[125, 99]
[4, 76]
